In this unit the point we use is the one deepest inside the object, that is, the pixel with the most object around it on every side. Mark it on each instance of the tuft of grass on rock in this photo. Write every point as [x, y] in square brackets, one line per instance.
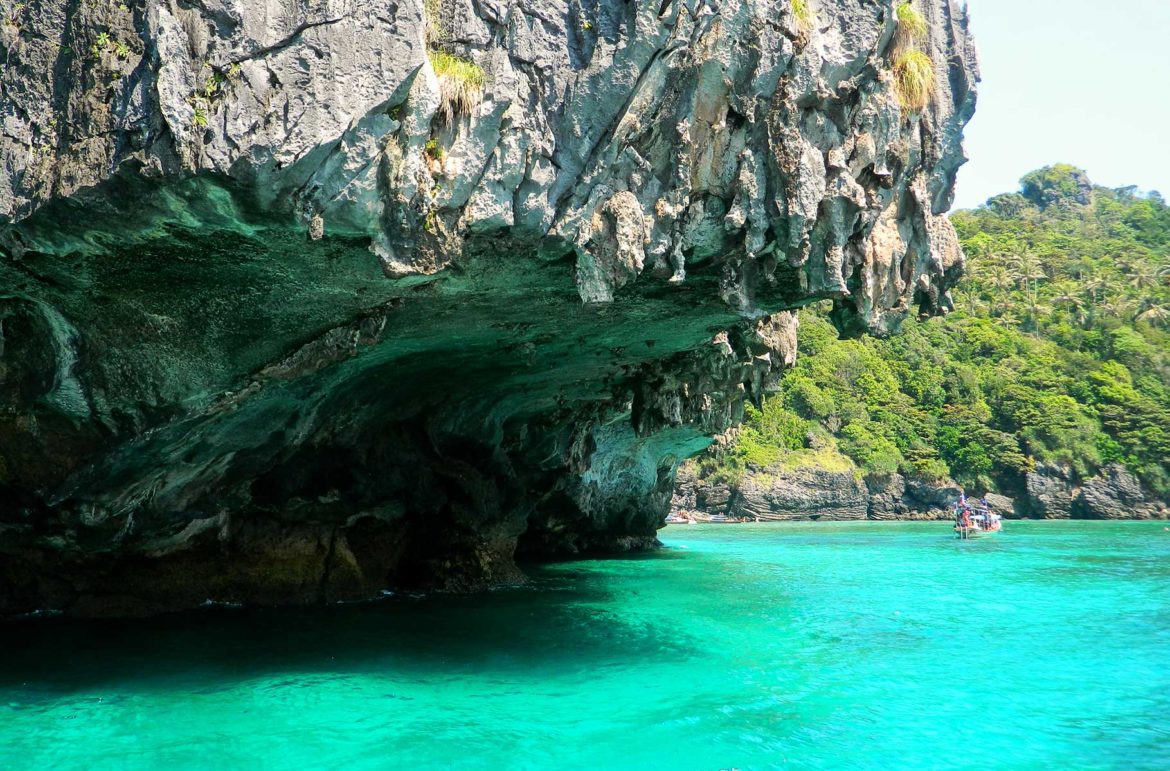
[912, 27]
[914, 79]
[806, 17]
[461, 84]
[433, 19]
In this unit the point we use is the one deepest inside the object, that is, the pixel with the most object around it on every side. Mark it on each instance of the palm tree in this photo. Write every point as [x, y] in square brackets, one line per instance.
[1154, 314]
[1163, 273]
[1128, 264]
[1028, 270]
[1068, 296]
[1117, 306]
[1035, 310]
[973, 302]
[1142, 278]
[1008, 317]
[1078, 267]
[999, 278]
[1094, 286]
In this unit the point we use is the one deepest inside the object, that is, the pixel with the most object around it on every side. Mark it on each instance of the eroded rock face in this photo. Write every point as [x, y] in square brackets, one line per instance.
[275, 326]
[1054, 492]
[1004, 505]
[805, 493]
[814, 493]
[1115, 494]
[1050, 490]
[899, 497]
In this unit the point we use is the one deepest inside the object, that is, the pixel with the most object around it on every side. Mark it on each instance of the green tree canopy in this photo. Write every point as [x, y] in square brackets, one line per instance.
[1059, 352]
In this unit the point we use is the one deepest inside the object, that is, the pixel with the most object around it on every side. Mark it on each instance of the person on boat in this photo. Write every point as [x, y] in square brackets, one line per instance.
[963, 514]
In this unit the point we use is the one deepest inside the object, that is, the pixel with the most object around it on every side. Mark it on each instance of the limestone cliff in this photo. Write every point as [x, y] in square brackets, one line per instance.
[303, 299]
[814, 492]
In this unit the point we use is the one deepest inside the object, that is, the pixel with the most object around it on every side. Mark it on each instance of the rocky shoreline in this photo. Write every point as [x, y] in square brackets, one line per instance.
[815, 493]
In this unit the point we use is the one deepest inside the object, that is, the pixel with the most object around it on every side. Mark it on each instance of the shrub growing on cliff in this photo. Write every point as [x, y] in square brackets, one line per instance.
[433, 150]
[914, 79]
[913, 68]
[461, 84]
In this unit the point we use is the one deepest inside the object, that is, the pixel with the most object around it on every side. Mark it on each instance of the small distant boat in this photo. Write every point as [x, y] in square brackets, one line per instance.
[679, 518]
[975, 520]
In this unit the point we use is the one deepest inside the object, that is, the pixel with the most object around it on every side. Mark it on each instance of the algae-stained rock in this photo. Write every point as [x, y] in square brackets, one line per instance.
[265, 301]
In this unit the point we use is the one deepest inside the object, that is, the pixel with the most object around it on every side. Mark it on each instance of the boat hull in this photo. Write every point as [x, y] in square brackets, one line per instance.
[972, 533]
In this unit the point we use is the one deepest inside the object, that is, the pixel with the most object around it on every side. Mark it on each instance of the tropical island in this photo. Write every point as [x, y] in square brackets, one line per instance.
[1048, 388]
[353, 355]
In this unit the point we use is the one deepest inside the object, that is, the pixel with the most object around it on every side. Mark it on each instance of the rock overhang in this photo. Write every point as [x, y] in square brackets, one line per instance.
[302, 337]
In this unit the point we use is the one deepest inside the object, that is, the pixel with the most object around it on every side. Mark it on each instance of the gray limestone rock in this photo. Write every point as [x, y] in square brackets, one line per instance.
[933, 498]
[1114, 494]
[781, 494]
[887, 497]
[283, 323]
[1003, 505]
[1050, 492]
[804, 493]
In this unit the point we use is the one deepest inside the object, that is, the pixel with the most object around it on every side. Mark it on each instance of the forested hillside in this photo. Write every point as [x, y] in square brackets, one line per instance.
[1058, 356]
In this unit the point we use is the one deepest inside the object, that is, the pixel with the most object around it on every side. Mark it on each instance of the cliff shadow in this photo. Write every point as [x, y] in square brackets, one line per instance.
[560, 619]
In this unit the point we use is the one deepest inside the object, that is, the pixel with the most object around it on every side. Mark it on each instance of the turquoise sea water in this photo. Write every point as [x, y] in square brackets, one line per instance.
[810, 646]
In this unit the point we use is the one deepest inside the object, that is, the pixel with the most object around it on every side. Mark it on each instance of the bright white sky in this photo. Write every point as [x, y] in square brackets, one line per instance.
[1084, 82]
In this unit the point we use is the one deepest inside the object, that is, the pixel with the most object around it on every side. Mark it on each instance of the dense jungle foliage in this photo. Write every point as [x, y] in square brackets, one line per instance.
[1059, 353]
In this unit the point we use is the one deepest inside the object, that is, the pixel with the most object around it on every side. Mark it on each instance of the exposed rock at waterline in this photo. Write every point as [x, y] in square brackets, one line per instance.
[811, 492]
[1054, 492]
[1116, 494]
[899, 497]
[804, 493]
[1005, 506]
[1050, 490]
[272, 329]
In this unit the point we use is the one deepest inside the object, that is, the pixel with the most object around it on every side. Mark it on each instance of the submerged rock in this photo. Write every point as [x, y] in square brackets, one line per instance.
[280, 322]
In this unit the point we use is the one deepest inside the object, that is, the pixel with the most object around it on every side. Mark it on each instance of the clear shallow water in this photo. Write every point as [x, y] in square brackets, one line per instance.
[753, 646]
